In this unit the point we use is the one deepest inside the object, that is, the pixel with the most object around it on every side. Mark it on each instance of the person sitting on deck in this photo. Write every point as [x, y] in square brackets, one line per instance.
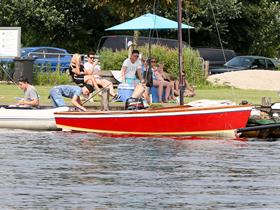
[174, 83]
[131, 74]
[159, 82]
[69, 91]
[168, 78]
[130, 68]
[188, 92]
[144, 70]
[94, 68]
[31, 98]
[79, 75]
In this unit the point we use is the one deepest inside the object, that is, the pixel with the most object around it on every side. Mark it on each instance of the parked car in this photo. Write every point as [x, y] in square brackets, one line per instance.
[239, 63]
[45, 57]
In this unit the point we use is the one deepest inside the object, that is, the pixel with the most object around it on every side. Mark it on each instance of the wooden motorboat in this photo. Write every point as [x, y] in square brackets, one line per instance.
[172, 121]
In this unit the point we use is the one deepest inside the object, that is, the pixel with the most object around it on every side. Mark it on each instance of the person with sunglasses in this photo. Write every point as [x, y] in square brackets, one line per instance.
[131, 70]
[92, 61]
[92, 66]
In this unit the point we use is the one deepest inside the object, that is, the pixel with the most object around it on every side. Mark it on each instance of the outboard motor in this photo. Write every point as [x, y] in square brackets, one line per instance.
[135, 104]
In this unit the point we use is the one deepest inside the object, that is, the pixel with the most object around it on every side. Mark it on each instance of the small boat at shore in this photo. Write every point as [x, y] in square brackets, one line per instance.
[263, 123]
[30, 119]
[171, 121]
[260, 128]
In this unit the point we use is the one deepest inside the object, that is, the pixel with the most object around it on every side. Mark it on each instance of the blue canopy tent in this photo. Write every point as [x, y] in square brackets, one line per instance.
[148, 22]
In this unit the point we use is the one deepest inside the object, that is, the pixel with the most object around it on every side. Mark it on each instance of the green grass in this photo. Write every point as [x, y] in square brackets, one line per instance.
[236, 95]
[9, 92]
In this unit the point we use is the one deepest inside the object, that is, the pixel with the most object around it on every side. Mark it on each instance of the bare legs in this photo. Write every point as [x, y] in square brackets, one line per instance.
[189, 91]
[89, 79]
[105, 83]
[160, 84]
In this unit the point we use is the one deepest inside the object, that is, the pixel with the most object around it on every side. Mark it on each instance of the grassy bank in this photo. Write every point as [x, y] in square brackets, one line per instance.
[9, 92]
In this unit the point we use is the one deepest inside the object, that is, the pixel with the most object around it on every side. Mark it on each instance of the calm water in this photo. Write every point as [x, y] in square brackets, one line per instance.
[56, 170]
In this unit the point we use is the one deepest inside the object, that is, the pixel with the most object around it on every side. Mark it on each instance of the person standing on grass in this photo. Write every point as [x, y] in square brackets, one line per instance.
[70, 91]
[31, 98]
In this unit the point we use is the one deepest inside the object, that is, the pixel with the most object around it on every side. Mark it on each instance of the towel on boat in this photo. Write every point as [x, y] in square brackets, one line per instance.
[210, 103]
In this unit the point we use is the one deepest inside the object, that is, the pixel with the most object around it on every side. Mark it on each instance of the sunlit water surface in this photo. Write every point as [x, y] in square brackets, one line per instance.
[57, 170]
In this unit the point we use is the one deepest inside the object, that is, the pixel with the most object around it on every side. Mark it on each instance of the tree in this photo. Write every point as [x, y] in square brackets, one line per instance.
[210, 16]
[247, 26]
[264, 29]
[37, 18]
[75, 25]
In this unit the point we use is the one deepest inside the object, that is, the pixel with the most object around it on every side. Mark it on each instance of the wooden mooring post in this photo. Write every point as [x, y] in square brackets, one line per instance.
[105, 100]
[266, 104]
[206, 68]
[266, 101]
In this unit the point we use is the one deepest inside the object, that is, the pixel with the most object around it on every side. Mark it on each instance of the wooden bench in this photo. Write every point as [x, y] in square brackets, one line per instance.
[109, 76]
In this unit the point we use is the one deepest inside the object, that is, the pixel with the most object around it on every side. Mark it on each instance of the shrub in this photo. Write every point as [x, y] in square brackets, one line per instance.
[49, 77]
[112, 60]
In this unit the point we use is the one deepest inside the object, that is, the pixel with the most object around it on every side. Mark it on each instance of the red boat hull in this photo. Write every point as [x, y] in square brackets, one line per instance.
[165, 121]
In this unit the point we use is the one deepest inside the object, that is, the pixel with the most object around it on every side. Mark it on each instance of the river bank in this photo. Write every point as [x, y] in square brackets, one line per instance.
[9, 92]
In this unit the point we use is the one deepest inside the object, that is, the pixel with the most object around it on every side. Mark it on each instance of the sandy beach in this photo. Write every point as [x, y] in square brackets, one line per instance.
[249, 79]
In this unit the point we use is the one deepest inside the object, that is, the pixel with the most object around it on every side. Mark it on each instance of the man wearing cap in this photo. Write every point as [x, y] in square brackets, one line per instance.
[69, 91]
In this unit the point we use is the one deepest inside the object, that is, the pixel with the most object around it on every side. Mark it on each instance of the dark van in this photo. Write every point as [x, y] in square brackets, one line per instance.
[216, 57]
[213, 55]
[119, 42]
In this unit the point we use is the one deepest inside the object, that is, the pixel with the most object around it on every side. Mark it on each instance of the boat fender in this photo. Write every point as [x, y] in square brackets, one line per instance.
[275, 106]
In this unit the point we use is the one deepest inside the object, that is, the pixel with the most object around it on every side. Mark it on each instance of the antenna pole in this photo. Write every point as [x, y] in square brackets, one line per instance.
[180, 44]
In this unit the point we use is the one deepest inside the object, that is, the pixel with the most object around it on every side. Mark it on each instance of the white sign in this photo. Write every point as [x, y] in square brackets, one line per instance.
[10, 41]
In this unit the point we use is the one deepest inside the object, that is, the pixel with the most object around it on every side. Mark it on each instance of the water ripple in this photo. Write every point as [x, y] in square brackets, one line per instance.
[56, 170]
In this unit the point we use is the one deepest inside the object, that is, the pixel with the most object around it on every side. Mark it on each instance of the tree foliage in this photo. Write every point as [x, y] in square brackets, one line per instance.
[264, 33]
[247, 26]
